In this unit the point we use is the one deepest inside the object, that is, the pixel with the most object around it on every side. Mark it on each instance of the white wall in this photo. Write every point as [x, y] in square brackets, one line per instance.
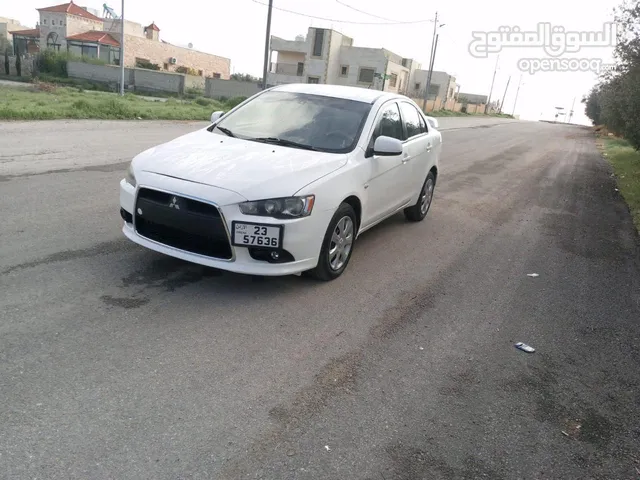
[357, 57]
[333, 63]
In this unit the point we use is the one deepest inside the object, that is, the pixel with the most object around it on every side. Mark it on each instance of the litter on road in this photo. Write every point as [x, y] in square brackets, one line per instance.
[524, 347]
[534, 275]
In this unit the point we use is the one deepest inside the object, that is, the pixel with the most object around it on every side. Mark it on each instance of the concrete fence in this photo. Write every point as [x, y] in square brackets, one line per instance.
[134, 78]
[219, 88]
[27, 65]
[451, 105]
[100, 73]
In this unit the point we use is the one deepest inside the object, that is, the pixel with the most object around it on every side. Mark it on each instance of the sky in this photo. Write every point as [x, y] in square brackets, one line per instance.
[236, 29]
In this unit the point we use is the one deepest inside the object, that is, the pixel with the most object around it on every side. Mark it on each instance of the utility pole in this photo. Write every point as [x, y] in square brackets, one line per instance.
[516, 100]
[571, 112]
[433, 61]
[492, 82]
[122, 50]
[433, 44]
[505, 94]
[267, 47]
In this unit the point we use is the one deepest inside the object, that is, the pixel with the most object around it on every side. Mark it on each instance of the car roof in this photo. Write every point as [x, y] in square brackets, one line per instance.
[337, 91]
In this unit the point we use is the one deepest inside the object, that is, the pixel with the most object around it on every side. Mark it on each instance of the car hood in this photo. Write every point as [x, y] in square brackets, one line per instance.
[252, 169]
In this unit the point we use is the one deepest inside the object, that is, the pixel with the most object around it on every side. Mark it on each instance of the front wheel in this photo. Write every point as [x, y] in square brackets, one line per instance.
[337, 245]
[417, 212]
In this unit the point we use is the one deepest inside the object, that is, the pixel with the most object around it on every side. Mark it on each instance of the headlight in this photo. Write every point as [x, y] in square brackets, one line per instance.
[130, 178]
[291, 207]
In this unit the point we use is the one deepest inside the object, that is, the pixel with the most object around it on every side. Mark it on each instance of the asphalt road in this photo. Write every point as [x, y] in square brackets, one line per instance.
[117, 362]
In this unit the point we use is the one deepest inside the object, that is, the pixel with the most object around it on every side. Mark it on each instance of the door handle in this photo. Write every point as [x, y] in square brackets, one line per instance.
[428, 147]
[406, 158]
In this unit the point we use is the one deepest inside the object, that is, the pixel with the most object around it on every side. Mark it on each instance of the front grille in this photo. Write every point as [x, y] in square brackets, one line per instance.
[182, 223]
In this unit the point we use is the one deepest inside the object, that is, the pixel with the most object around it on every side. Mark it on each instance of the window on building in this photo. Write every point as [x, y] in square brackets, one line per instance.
[165, 66]
[313, 79]
[53, 22]
[417, 87]
[365, 75]
[44, 21]
[451, 93]
[393, 80]
[52, 41]
[317, 42]
[300, 69]
[344, 70]
[216, 75]
[389, 124]
[405, 61]
[411, 118]
[201, 73]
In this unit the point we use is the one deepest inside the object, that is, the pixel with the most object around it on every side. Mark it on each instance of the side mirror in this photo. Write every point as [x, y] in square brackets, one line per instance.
[216, 115]
[433, 122]
[387, 146]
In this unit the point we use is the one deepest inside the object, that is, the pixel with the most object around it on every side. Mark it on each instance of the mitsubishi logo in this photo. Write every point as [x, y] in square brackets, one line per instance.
[174, 203]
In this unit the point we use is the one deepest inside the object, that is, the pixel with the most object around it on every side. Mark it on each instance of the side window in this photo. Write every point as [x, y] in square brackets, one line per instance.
[423, 125]
[411, 119]
[389, 123]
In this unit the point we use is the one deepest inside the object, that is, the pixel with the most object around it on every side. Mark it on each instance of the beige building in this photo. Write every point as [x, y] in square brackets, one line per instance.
[69, 27]
[328, 56]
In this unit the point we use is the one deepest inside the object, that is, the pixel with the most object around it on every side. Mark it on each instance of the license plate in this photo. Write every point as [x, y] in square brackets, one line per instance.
[257, 235]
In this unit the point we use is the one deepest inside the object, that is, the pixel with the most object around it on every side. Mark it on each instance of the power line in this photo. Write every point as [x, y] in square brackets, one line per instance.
[338, 21]
[366, 13]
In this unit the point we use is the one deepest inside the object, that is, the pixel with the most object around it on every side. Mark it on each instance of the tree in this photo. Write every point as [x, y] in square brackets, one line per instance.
[615, 101]
[7, 67]
[19, 65]
[245, 77]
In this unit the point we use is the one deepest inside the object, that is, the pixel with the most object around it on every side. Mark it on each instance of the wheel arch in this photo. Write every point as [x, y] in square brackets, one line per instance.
[356, 204]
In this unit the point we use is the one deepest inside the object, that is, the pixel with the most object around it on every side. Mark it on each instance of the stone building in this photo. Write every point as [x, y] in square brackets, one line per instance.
[69, 27]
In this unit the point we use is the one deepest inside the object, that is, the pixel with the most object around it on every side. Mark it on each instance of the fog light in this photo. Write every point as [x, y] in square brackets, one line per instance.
[275, 255]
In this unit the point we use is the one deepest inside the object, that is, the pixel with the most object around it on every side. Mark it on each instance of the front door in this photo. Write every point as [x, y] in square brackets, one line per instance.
[386, 174]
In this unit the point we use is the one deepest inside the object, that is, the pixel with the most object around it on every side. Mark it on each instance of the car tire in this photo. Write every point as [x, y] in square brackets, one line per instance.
[337, 245]
[417, 212]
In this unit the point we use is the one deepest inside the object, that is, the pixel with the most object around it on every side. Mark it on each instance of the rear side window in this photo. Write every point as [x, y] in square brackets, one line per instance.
[389, 124]
[411, 118]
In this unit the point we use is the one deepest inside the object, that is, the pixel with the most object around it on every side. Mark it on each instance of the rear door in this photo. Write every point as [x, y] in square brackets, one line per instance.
[417, 146]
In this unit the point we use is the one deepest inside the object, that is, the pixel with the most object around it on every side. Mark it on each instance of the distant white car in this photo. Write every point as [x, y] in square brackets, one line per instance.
[285, 182]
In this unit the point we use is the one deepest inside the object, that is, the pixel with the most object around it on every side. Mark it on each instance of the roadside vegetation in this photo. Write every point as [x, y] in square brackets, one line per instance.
[448, 113]
[625, 160]
[614, 105]
[46, 101]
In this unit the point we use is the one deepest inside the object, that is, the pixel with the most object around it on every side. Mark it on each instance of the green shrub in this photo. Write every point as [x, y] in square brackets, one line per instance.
[7, 68]
[234, 102]
[147, 65]
[205, 102]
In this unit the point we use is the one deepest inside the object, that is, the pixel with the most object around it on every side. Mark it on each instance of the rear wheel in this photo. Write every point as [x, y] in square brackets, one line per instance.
[337, 245]
[417, 212]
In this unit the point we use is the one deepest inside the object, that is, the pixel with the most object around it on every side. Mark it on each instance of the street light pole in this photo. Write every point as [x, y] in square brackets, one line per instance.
[433, 44]
[267, 45]
[516, 100]
[571, 112]
[505, 95]
[122, 49]
[492, 82]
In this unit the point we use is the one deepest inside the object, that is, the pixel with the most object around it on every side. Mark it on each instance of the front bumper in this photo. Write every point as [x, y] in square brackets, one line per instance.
[302, 237]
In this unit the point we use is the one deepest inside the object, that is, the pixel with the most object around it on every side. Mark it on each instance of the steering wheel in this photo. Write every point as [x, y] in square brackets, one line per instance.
[345, 140]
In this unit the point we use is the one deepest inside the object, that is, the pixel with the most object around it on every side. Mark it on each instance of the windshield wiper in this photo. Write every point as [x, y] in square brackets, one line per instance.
[283, 142]
[226, 131]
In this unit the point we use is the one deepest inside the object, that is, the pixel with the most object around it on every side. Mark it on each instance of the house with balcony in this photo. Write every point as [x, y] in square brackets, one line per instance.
[328, 56]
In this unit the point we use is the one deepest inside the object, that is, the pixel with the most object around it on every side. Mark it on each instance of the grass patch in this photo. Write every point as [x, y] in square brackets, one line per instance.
[48, 102]
[626, 166]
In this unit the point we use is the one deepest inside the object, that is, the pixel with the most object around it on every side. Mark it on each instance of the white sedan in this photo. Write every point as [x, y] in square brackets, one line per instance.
[285, 182]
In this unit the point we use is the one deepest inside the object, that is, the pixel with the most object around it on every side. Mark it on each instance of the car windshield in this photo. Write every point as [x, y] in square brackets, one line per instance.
[299, 120]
